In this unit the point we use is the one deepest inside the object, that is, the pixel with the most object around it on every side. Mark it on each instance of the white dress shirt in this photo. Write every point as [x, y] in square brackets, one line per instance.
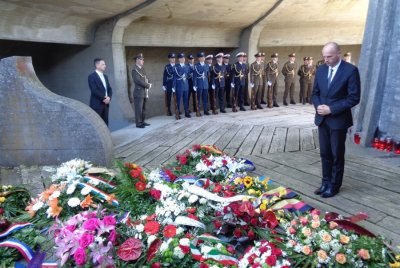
[103, 80]
[334, 68]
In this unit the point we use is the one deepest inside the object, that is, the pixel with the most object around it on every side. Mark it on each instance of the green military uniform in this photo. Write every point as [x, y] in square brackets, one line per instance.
[310, 81]
[288, 72]
[140, 93]
[319, 63]
[305, 76]
[271, 73]
[256, 82]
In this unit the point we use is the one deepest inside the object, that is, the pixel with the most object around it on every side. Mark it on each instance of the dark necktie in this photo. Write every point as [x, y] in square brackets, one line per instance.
[330, 77]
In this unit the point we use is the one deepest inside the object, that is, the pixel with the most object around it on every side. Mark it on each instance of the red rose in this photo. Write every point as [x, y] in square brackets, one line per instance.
[253, 221]
[170, 174]
[271, 220]
[217, 224]
[191, 210]
[151, 217]
[130, 250]
[170, 231]
[156, 265]
[247, 207]
[230, 249]
[276, 252]
[192, 216]
[224, 162]
[217, 188]
[229, 193]
[237, 233]
[182, 160]
[271, 260]
[151, 227]
[142, 177]
[251, 235]
[251, 258]
[135, 173]
[196, 147]
[263, 249]
[203, 265]
[256, 265]
[140, 186]
[156, 194]
[185, 249]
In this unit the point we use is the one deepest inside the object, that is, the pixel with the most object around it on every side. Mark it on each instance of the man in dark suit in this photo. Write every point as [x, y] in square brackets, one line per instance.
[141, 91]
[336, 90]
[101, 91]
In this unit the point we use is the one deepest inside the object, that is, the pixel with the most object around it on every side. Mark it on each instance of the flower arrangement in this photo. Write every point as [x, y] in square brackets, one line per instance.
[13, 200]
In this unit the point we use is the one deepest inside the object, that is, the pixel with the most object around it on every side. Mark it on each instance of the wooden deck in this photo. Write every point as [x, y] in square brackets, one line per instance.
[283, 144]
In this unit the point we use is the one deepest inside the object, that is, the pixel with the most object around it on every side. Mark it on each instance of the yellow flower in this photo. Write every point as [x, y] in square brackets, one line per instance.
[2, 199]
[248, 181]
[251, 191]
[265, 201]
[263, 206]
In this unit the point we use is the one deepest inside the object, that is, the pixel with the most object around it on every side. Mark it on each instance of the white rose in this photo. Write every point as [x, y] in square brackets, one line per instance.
[179, 230]
[193, 198]
[71, 189]
[203, 201]
[178, 253]
[184, 242]
[85, 191]
[37, 206]
[55, 194]
[140, 228]
[74, 202]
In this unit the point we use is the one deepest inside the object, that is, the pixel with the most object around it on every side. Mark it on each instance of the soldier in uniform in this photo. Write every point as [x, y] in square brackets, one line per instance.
[190, 81]
[305, 74]
[319, 63]
[311, 80]
[246, 76]
[288, 72]
[218, 73]
[140, 93]
[256, 81]
[264, 77]
[211, 91]
[200, 81]
[238, 82]
[227, 80]
[181, 85]
[271, 73]
[168, 78]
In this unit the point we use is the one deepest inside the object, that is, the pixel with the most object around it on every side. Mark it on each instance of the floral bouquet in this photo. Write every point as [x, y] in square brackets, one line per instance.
[13, 200]
[86, 239]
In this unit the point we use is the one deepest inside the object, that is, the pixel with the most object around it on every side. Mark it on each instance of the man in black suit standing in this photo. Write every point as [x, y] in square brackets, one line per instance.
[336, 90]
[101, 91]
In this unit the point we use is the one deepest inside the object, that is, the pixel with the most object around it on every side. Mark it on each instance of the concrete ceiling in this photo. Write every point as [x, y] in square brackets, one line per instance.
[180, 22]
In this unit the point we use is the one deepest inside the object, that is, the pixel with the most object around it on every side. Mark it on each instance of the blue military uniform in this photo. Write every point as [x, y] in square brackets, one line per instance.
[200, 82]
[218, 73]
[168, 78]
[190, 82]
[238, 73]
[181, 86]
[228, 69]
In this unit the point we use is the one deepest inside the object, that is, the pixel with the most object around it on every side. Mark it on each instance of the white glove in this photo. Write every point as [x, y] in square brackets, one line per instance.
[173, 90]
[269, 83]
[252, 85]
[195, 88]
[164, 88]
[232, 84]
[213, 86]
[150, 85]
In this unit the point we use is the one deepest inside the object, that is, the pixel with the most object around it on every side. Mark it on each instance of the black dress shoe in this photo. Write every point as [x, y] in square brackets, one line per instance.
[330, 192]
[188, 115]
[206, 113]
[229, 106]
[169, 113]
[242, 108]
[321, 189]
[292, 102]
[263, 102]
[140, 126]
[146, 124]
[222, 111]
[259, 107]
[246, 104]
[285, 103]
[276, 104]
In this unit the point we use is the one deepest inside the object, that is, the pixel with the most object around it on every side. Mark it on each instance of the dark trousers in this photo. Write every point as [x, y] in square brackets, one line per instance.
[255, 99]
[140, 110]
[169, 97]
[192, 94]
[221, 97]
[332, 148]
[239, 94]
[309, 86]
[228, 93]
[289, 88]
[202, 96]
[303, 84]
[103, 113]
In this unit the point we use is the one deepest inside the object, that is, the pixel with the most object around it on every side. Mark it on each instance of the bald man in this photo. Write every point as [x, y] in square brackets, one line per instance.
[336, 90]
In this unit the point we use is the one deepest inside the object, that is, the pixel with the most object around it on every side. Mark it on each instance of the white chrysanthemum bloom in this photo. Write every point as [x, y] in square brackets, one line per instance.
[151, 239]
[193, 198]
[179, 230]
[178, 253]
[143, 217]
[164, 245]
[184, 242]
[167, 213]
[139, 228]
[325, 246]
[203, 201]
[55, 194]
[201, 167]
[85, 191]
[298, 248]
[37, 206]
[74, 202]
[154, 176]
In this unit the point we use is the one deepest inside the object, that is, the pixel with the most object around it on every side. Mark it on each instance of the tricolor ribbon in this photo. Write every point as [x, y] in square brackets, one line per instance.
[100, 180]
[213, 197]
[124, 217]
[99, 193]
[182, 220]
[25, 251]
[292, 205]
[212, 149]
[281, 192]
[188, 178]
[13, 228]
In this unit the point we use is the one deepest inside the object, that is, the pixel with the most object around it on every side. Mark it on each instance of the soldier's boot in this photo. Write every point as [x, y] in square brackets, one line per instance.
[169, 111]
[276, 104]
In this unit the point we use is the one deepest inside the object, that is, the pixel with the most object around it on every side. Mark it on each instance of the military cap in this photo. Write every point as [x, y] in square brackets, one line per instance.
[263, 54]
[258, 54]
[139, 56]
[274, 55]
[244, 54]
[347, 54]
[292, 55]
[181, 55]
[209, 57]
[227, 56]
[240, 54]
[305, 58]
[201, 54]
[171, 55]
[190, 56]
[219, 55]
[310, 58]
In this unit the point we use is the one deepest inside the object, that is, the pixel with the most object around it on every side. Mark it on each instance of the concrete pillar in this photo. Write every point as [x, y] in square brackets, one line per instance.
[379, 65]
[39, 127]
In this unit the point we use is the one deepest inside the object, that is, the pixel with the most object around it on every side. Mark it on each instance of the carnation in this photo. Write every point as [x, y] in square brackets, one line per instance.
[74, 202]
[37, 206]
[178, 253]
[193, 198]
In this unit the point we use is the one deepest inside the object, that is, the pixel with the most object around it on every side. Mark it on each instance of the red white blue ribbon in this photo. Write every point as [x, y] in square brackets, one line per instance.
[14, 227]
[89, 178]
[99, 193]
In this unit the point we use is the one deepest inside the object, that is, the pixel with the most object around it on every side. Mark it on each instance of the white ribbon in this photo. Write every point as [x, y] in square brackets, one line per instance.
[213, 197]
[182, 220]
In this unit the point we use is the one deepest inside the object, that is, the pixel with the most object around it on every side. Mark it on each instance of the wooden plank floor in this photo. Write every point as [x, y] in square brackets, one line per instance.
[283, 143]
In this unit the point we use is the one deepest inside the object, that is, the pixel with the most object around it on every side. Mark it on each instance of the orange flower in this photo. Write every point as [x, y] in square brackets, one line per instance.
[307, 250]
[87, 201]
[111, 198]
[54, 209]
[341, 258]
[322, 254]
[344, 239]
[326, 237]
[364, 254]
[332, 225]
[315, 224]
[29, 208]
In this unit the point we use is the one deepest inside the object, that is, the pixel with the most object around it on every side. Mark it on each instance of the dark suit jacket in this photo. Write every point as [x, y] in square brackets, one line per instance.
[98, 92]
[342, 95]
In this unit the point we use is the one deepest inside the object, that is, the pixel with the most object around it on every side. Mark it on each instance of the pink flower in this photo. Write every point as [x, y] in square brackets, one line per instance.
[70, 228]
[80, 256]
[109, 220]
[156, 194]
[85, 240]
[112, 236]
[91, 224]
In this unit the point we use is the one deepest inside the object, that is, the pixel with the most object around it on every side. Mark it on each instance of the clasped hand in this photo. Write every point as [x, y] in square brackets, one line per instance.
[323, 109]
[107, 100]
